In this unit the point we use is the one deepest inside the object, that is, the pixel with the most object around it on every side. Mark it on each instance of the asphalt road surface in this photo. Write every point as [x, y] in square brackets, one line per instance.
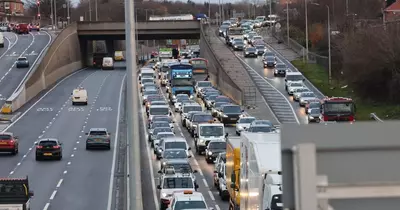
[81, 180]
[27, 45]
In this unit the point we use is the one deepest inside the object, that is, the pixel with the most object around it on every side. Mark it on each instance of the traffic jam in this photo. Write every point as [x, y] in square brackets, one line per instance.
[189, 121]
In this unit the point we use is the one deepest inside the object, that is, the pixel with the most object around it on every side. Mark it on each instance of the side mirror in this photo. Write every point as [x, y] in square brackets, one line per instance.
[215, 171]
[196, 135]
[159, 187]
[156, 144]
[194, 171]
[60, 143]
[196, 186]
[36, 143]
[16, 137]
[242, 110]
[226, 135]
[71, 94]
[189, 148]
[189, 156]
[86, 133]
[109, 133]
[31, 194]
[220, 175]
[285, 80]
[170, 113]
[160, 172]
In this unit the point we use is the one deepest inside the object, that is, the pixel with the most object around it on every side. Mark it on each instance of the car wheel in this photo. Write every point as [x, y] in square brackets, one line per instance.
[237, 133]
[109, 147]
[87, 147]
[37, 158]
[59, 158]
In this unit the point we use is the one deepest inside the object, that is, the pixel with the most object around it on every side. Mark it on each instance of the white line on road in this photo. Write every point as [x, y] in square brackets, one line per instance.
[53, 195]
[211, 195]
[59, 183]
[46, 206]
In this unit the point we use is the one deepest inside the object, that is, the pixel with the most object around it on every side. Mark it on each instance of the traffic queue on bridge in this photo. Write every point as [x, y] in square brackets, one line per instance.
[171, 86]
[241, 36]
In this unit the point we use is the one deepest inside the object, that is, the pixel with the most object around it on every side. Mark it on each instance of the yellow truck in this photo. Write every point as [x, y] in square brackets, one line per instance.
[232, 171]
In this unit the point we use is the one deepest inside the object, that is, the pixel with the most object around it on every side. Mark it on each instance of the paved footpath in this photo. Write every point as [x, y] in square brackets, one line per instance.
[282, 48]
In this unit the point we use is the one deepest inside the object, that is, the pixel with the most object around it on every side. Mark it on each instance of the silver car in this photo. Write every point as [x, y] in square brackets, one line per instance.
[297, 92]
[314, 115]
[294, 85]
[305, 97]
[243, 123]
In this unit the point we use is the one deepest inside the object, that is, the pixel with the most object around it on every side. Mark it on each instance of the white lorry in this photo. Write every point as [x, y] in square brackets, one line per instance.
[260, 171]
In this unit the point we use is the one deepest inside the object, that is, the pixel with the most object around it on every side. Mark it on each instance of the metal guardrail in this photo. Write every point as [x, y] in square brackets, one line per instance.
[375, 117]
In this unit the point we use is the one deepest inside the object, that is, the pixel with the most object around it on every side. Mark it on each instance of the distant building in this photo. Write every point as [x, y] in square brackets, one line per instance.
[11, 8]
[392, 12]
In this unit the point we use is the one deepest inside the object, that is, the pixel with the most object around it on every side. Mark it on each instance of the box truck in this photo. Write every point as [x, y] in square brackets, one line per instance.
[232, 171]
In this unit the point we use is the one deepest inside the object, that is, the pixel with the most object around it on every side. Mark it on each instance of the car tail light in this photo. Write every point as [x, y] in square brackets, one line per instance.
[39, 147]
[108, 140]
[11, 142]
[56, 147]
[94, 62]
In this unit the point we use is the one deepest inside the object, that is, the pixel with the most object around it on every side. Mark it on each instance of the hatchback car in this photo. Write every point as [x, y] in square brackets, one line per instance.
[49, 148]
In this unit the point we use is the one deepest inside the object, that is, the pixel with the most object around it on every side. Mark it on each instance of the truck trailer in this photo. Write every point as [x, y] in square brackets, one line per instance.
[260, 171]
[232, 171]
[15, 194]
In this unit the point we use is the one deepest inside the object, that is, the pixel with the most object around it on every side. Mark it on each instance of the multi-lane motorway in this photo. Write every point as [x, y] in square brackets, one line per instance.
[81, 180]
[30, 45]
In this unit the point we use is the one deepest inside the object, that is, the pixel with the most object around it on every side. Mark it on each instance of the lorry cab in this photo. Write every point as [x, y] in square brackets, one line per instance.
[293, 77]
[79, 96]
[207, 132]
[147, 73]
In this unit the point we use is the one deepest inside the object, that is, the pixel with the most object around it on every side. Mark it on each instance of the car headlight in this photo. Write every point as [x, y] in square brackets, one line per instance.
[164, 194]
[173, 97]
[225, 115]
[220, 31]
[201, 140]
[209, 153]
[247, 52]
[276, 71]
[240, 128]
[191, 97]
[164, 163]
[311, 117]
[235, 46]
[159, 150]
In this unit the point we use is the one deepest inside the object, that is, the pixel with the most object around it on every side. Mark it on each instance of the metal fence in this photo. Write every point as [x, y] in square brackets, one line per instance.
[298, 48]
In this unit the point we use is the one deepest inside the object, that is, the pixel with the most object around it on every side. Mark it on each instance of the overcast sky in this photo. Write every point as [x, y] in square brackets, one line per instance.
[201, 1]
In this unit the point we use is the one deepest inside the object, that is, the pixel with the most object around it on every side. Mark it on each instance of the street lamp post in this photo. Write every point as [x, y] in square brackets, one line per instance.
[95, 8]
[329, 43]
[287, 23]
[306, 13]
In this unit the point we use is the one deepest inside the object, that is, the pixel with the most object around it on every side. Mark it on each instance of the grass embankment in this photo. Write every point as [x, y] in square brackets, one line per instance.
[319, 77]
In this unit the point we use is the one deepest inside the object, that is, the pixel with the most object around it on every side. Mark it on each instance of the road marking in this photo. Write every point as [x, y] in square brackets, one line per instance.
[53, 194]
[211, 195]
[10, 45]
[205, 183]
[59, 183]
[46, 206]
[217, 207]
[111, 185]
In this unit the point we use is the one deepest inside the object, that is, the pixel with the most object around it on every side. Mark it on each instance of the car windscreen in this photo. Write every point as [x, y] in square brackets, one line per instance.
[307, 95]
[22, 59]
[231, 109]
[159, 125]
[263, 129]
[147, 80]
[211, 130]
[222, 99]
[239, 42]
[204, 84]
[178, 182]
[251, 49]
[270, 59]
[165, 135]
[269, 54]
[98, 133]
[47, 143]
[202, 118]
[161, 129]
[315, 111]
[314, 105]
[175, 154]
[217, 145]
[280, 66]
[187, 109]
[182, 205]
[159, 111]
[175, 145]
[147, 75]
[246, 120]
[5, 137]
[296, 85]
[296, 77]
[212, 97]
[162, 119]
[219, 104]
[260, 47]
[262, 122]
[150, 92]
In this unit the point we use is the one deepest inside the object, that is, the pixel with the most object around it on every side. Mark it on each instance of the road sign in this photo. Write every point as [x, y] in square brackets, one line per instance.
[278, 26]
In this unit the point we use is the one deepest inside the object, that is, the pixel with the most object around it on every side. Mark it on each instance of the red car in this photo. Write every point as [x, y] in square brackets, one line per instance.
[9, 143]
[22, 28]
[34, 27]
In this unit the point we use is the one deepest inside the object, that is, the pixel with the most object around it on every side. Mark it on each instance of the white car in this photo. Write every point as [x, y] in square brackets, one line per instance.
[179, 102]
[297, 92]
[188, 200]
[202, 84]
[305, 97]
[294, 85]
[243, 123]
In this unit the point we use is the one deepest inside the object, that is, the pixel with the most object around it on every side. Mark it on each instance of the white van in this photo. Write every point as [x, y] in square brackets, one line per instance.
[1, 40]
[79, 96]
[293, 77]
[108, 63]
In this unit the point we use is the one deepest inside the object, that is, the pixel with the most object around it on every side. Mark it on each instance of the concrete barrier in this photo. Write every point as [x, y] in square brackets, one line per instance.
[62, 58]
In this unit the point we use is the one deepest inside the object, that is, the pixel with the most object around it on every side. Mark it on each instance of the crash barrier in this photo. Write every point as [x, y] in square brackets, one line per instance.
[375, 117]
[62, 58]
[218, 74]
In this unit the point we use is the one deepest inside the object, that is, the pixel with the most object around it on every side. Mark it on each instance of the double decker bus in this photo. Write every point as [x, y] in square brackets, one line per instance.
[200, 65]
[338, 109]
[15, 194]
[181, 79]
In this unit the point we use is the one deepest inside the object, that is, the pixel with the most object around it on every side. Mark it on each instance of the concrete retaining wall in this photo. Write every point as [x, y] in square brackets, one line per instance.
[62, 58]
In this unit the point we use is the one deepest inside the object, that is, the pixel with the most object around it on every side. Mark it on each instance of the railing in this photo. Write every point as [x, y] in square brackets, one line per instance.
[375, 117]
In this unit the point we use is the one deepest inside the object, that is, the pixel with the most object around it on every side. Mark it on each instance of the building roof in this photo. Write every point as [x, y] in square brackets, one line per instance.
[395, 7]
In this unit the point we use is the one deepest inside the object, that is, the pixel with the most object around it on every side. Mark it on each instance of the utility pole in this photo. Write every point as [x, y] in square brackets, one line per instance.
[68, 12]
[132, 108]
[306, 13]
[329, 45]
[51, 14]
[347, 8]
[209, 9]
[95, 7]
[270, 7]
[287, 22]
[38, 12]
[55, 13]
[147, 41]
[90, 10]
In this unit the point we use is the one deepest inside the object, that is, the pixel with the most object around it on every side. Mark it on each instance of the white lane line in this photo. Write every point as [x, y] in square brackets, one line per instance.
[46, 206]
[111, 185]
[205, 183]
[217, 207]
[53, 194]
[59, 183]
[211, 195]
[148, 150]
[10, 45]
[128, 190]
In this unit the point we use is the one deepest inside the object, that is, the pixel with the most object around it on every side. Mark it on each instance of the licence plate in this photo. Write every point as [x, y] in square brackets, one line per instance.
[98, 140]
[233, 118]
[3, 143]
[47, 154]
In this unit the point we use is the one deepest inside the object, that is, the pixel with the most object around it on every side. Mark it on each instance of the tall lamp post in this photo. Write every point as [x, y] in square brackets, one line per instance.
[287, 22]
[306, 14]
[329, 43]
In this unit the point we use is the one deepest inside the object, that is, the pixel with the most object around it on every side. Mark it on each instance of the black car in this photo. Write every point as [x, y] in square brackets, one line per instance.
[269, 61]
[280, 69]
[250, 52]
[238, 45]
[261, 49]
[229, 113]
[48, 149]
[22, 62]
[213, 149]
[222, 30]
[173, 154]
